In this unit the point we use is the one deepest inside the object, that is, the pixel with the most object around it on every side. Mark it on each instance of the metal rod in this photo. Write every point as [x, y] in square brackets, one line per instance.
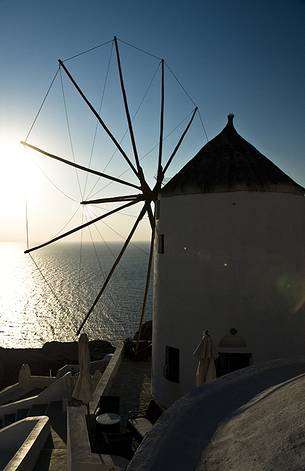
[159, 171]
[81, 167]
[82, 226]
[99, 118]
[143, 211]
[114, 199]
[150, 259]
[126, 107]
[179, 142]
[151, 217]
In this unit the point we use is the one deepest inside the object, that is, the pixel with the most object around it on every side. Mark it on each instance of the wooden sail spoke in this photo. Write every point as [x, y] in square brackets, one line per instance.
[151, 217]
[141, 215]
[148, 275]
[100, 120]
[133, 142]
[159, 171]
[179, 143]
[82, 226]
[81, 167]
[115, 199]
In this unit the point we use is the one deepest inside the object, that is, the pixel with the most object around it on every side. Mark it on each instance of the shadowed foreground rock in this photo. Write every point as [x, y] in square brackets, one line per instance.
[52, 356]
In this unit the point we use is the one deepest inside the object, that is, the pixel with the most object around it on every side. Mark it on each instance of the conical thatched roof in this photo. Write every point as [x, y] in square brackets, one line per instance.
[230, 163]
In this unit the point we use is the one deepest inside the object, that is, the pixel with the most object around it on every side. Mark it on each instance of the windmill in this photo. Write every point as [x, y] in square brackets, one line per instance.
[144, 193]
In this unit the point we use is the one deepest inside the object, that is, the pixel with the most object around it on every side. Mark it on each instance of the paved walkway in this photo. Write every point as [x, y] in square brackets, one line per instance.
[133, 384]
[53, 457]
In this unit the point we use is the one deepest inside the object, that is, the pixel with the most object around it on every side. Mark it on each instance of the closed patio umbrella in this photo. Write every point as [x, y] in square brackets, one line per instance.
[206, 354]
[83, 387]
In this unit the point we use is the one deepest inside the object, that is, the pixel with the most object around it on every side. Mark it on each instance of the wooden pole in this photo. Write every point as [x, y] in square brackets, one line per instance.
[114, 199]
[151, 217]
[81, 227]
[150, 259]
[143, 211]
[159, 171]
[99, 118]
[81, 167]
[179, 142]
[133, 142]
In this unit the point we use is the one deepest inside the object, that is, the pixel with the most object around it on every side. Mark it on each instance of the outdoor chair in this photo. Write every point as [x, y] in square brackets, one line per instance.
[119, 444]
[140, 424]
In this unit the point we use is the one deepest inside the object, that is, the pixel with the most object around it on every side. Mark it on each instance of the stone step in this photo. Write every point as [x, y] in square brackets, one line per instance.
[37, 409]
[52, 460]
[21, 413]
[58, 423]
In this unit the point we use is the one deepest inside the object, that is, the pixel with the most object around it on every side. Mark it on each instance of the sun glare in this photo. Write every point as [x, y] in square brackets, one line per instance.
[13, 169]
[18, 180]
[18, 172]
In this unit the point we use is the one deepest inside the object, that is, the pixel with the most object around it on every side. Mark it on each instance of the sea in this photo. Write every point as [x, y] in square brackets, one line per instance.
[45, 297]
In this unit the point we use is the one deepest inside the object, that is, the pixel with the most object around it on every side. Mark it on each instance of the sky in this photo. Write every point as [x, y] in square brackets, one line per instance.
[234, 56]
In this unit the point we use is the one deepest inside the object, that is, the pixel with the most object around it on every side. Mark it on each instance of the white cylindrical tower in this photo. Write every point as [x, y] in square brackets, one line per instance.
[230, 258]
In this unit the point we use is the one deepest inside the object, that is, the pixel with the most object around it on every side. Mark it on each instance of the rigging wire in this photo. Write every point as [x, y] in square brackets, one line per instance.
[80, 255]
[69, 134]
[51, 289]
[119, 212]
[54, 184]
[99, 263]
[114, 231]
[137, 111]
[123, 237]
[203, 126]
[41, 106]
[126, 131]
[105, 242]
[139, 49]
[27, 224]
[146, 154]
[87, 50]
[99, 112]
[189, 96]
[68, 222]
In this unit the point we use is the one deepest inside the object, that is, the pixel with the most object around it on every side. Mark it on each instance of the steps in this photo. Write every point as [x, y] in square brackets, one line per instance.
[9, 419]
[21, 414]
[53, 457]
[37, 409]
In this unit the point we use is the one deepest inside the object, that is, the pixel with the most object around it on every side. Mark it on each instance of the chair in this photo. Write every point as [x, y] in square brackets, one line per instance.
[142, 423]
[117, 444]
[108, 404]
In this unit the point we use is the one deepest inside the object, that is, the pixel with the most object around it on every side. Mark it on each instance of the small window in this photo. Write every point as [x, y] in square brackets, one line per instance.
[161, 243]
[171, 367]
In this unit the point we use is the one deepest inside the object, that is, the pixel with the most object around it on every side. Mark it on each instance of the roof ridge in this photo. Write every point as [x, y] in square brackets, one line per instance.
[229, 162]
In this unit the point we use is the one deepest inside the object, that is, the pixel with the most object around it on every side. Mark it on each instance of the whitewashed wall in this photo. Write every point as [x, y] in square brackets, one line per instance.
[231, 260]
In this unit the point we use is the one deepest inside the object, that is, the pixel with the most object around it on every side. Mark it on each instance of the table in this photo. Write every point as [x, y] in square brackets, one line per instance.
[108, 422]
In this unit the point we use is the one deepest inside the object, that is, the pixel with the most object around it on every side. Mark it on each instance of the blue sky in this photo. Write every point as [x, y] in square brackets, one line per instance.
[231, 56]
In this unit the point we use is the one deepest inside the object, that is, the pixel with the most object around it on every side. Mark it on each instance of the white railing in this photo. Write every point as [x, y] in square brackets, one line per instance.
[60, 389]
[17, 390]
[22, 442]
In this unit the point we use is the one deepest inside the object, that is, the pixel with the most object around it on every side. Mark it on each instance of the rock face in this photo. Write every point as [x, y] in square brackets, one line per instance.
[52, 356]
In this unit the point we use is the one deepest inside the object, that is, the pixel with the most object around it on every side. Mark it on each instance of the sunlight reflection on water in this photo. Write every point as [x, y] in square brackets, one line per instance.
[30, 315]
